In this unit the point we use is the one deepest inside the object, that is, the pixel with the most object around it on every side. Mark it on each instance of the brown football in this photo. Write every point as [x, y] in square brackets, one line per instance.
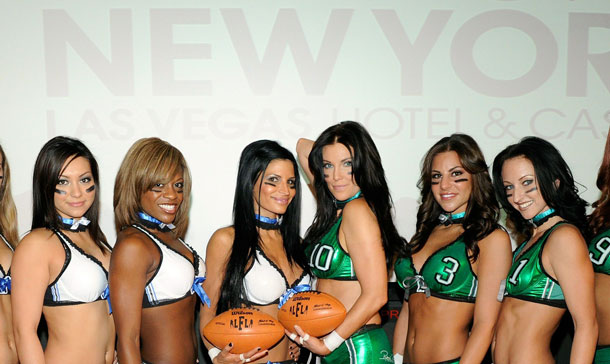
[246, 328]
[315, 312]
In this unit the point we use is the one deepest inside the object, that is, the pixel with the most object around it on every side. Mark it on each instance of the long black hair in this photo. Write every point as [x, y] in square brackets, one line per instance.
[253, 162]
[48, 168]
[367, 172]
[553, 178]
[482, 212]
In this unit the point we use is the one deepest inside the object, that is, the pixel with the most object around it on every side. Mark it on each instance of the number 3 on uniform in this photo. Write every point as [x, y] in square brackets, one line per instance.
[449, 271]
[604, 251]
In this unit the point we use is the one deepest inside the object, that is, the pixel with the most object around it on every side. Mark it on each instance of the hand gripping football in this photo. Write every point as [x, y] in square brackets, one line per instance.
[315, 312]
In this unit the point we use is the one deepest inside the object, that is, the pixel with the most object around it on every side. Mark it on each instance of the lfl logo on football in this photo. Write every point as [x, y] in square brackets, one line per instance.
[241, 322]
[299, 309]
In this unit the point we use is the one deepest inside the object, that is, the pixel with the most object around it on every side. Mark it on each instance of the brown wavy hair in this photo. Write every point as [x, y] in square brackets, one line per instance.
[8, 211]
[600, 217]
[149, 161]
[483, 210]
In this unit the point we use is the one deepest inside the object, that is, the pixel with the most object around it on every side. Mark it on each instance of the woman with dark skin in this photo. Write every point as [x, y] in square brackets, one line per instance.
[153, 273]
[599, 253]
[8, 235]
[551, 270]
[256, 260]
[352, 242]
[460, 256]
[60, 267]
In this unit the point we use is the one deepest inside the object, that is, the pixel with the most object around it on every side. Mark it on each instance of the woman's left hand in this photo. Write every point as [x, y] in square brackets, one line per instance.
[310, 343]
[294, 350]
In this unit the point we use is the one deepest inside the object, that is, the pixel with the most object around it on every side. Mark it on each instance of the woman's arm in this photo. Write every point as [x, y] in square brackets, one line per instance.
[30, 278]
[304, 147]
[401, 329]
[493, 265]
[217, 256]
[567, 255]
[363, 242]
[131, 259]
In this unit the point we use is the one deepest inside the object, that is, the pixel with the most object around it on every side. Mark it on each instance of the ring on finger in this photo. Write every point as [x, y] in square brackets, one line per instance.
[306, 337]
[293, 336]
[241, 357]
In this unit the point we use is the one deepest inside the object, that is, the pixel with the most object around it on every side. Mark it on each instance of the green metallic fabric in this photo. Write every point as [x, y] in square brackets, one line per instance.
[527, 279]
[599, 252]
[366, 346]
[447, 274]
[328, 260]
[602, 355]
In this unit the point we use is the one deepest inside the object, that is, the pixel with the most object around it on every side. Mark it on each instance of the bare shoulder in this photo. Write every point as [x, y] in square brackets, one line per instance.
[223, 236]
[496, 239]
[221, 241]
[39, 245]
[130, 240]
[566, 237]
[38, 239]
[358, 210]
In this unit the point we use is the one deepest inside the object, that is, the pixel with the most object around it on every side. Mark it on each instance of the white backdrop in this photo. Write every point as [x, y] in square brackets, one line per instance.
[212, 76]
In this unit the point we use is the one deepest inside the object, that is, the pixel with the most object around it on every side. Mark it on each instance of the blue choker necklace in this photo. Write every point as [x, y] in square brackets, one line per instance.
[341, 204]
[448, 219]
[267, 223]
[152, 223]
[74, 224]
[542, 217]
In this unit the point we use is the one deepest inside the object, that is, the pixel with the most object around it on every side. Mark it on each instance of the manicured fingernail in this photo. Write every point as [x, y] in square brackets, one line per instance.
[231, 344]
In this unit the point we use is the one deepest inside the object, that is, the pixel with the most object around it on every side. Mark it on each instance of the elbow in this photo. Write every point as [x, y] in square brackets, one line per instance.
[21, 333]
[379, 301]
[587, 327]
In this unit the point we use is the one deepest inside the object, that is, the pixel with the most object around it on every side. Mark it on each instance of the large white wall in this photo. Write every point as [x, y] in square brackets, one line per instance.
[212, 76]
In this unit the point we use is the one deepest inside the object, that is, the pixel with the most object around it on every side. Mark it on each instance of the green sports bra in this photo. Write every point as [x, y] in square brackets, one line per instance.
[328, 260]
[599, 252]
[527, 279]
[446, 274]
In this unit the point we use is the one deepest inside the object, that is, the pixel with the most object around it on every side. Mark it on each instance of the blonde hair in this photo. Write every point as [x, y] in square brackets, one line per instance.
[149, 161]
[8, 212]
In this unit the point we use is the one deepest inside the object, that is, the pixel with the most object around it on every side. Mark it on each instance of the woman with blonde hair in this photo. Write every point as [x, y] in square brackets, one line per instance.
[60, 267]
[153, 272]
[8, 235]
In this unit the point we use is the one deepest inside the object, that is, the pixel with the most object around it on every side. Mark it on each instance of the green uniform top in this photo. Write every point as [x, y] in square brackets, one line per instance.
[328, 260]
[447, 274]
[599, 252]
[527, 279]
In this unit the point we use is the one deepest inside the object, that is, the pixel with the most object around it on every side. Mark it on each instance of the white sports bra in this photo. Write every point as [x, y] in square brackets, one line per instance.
[173, 280]
[82, 278]
[265, 283]
[5, 274]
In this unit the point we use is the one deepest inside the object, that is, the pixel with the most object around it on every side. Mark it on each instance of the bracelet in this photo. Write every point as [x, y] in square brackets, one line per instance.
[213, 352]
[333, 341]
[398, 358]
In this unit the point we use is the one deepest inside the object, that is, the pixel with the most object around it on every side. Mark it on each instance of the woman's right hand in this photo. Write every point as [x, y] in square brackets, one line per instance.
[226, 357]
